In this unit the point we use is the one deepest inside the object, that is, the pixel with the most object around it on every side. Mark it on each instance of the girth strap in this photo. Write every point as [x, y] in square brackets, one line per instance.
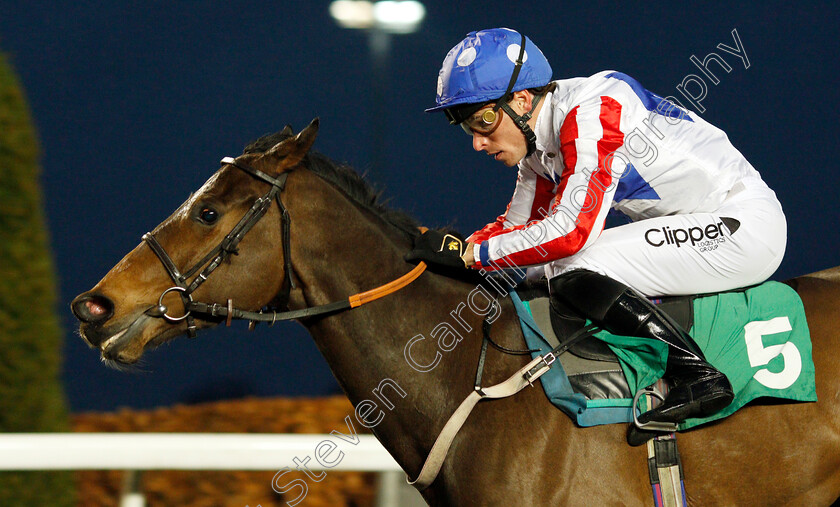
[440, 449]
[515, 383]
[666, 472]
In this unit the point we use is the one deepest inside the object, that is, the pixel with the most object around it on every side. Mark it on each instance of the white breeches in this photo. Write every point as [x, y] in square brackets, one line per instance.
[740, 244]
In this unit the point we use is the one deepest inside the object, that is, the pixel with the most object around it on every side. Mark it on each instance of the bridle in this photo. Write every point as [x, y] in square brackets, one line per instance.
[228, 246]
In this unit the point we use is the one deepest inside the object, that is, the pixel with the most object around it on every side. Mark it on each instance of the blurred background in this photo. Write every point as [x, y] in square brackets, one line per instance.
[135, 103]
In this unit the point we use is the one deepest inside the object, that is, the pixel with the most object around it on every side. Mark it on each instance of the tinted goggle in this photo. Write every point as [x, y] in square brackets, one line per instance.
[483, 121]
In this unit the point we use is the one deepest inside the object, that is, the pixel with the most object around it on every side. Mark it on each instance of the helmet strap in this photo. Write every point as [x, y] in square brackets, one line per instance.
[517, 67]
[522, 122]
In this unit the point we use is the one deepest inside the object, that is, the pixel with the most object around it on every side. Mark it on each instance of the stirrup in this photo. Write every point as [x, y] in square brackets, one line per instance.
[667, 427]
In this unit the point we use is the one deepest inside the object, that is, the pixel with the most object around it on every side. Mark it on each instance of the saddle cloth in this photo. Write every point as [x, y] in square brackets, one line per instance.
[757, 336]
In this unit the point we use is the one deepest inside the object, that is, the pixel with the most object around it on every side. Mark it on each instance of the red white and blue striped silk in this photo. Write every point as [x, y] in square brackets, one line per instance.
[606, 142]
[576, 207]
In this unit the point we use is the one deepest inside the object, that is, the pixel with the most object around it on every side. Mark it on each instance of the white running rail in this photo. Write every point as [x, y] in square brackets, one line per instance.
[137, 452]
[190, 451]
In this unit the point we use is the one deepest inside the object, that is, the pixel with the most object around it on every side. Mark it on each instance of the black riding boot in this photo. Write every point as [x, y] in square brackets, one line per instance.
[697, 388]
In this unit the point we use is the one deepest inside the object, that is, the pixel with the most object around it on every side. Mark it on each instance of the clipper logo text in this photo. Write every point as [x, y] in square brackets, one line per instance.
[706, 238]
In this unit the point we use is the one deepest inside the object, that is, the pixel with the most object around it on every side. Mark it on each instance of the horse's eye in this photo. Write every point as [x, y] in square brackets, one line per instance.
[208, 216]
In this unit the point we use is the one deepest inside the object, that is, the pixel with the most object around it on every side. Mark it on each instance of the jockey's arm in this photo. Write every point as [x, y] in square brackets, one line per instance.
[557, 224]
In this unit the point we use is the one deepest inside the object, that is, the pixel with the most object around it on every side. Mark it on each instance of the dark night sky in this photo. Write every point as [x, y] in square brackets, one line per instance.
[136, 102]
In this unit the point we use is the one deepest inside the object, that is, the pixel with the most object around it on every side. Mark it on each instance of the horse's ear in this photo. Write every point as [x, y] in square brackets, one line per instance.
[287, 132]
[292, 149]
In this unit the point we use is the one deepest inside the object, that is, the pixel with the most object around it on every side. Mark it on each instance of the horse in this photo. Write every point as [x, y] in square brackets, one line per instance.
[330, 236]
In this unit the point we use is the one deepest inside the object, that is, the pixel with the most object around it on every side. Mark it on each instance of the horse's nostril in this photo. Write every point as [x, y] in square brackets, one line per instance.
[92, 308]
[95, 309]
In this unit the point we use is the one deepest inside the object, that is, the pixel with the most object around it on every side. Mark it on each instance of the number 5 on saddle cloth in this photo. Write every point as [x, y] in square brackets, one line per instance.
[757, 336]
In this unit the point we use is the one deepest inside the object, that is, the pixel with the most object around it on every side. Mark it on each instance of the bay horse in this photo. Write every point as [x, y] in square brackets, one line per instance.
[329, 237]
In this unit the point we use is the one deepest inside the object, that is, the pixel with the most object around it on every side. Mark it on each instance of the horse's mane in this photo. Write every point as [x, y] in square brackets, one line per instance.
[346, 179]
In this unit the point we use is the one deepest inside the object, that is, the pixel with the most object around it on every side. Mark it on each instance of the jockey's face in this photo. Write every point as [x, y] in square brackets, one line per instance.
[505, 142]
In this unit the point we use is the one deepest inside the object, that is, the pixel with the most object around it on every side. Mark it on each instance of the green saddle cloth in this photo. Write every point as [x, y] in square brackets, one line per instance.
[758, 337]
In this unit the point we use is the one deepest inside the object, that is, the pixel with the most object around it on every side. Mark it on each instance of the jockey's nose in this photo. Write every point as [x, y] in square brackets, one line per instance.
[92, 308]
[479, 141]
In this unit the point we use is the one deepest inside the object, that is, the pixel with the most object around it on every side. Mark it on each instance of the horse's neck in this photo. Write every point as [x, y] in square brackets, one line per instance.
[366, 347]
[407, 394]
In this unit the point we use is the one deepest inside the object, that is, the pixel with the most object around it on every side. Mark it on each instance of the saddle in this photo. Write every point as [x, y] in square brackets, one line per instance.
[757, 336]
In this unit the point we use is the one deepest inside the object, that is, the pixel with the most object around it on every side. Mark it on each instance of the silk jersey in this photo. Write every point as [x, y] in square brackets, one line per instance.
[606, 142]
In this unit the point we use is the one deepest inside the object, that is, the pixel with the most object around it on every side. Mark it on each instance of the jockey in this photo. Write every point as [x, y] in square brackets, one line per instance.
[702, 219]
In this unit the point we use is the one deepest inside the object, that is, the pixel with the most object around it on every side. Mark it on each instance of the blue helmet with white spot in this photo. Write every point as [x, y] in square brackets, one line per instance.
[481, 68]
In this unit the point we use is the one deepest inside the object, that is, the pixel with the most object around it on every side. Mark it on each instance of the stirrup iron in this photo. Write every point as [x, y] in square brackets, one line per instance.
[667, 427]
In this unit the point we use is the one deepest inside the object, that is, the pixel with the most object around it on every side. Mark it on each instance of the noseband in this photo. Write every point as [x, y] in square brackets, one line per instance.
[228, 247]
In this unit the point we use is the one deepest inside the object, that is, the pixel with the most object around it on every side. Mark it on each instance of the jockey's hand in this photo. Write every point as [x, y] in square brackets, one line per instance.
[469, 255]
[440, 248]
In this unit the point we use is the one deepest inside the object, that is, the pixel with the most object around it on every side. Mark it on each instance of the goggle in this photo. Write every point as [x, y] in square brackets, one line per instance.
[484, 121]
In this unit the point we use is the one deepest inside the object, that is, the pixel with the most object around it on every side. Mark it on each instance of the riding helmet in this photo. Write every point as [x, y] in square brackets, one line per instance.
[479, 68]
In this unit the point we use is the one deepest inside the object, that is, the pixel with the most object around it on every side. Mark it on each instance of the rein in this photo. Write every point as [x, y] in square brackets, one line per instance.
[228, 247]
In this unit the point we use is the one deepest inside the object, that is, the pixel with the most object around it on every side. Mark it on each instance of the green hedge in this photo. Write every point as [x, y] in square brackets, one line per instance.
[31, 397]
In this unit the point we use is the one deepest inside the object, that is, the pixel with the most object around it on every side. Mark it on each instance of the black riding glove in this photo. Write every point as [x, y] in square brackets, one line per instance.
[438, 248]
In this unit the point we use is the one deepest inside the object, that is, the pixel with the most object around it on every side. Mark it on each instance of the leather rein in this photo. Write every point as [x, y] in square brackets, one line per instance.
[228, 246]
